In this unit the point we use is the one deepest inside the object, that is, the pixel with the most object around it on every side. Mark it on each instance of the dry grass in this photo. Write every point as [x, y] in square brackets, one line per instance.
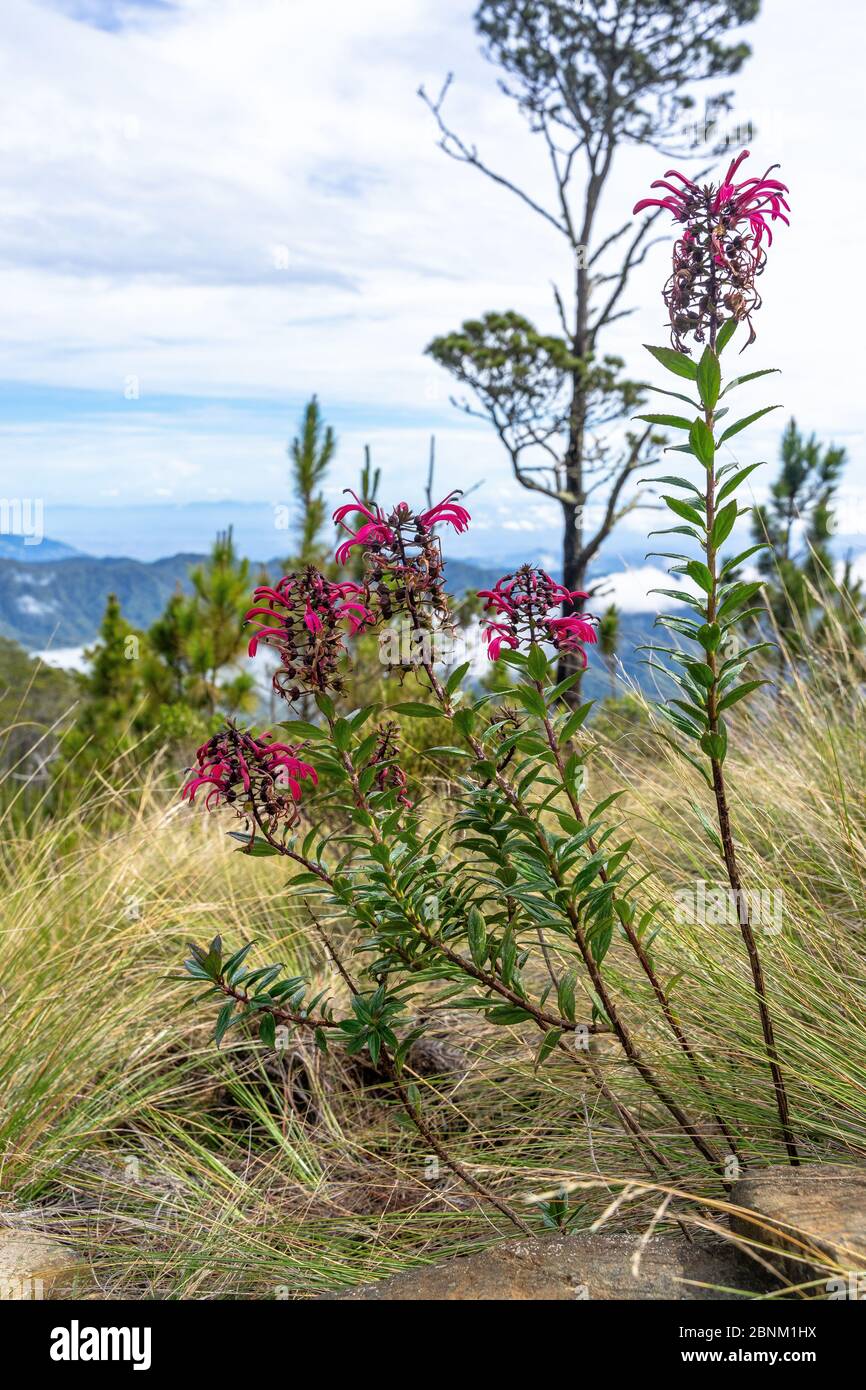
[190, 1173]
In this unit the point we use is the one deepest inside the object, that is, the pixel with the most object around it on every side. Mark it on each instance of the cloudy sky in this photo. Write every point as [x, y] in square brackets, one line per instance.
[213, 208]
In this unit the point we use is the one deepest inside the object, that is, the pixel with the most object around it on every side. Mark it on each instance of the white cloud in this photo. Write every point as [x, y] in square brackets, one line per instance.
[243, 200]
[630, 589]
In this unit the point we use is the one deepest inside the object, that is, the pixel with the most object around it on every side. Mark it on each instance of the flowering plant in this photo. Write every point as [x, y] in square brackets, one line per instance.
[710, 292]
[509, 905]
[510, 900]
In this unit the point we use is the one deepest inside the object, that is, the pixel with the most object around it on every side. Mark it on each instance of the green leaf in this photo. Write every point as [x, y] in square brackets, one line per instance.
[725, 334]
[674, 422]
[724, 524]
[574, 721]
[602, 806]
[746, 421]
[548, 1043]
[675, 396]
[674, 480]
[600, 938]
[709, 378]
[739, 693]
[699, 572]
[224, 1018]
[415, 709]
[537, 663]
[342, 735]
[360, 716]
[702, 673]
[507, 1013]
[564, 685]
[268, 1030]
[300, 728]
[702, 443]
[531, 700]
[683, 509]
[565, 995]
[709, 636]
[456, 677]
[715, 746]
[733, 483]
[750, 376]
[259, 849]
[740, 594]
[676, 362]
[743, 555]
[477, 936]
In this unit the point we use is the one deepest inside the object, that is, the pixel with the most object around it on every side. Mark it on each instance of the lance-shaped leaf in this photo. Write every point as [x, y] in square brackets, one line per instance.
[733, 483]
[746, 421]
[673, 531]
[709, 378]
[673, 422]
[683, 509]
[750, 376]
[702, 673]
[740, 594]
[715, 745]
[676, 362]
[743, 555]
[709, 636]
[724, 524]
[725, 334]
[738, 694]
[702, 443]
[415, 709]
[675, 396]
[698, 571]
[672, 480]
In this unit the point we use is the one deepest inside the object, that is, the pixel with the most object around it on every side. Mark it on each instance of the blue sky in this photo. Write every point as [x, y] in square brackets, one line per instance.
[214, 208]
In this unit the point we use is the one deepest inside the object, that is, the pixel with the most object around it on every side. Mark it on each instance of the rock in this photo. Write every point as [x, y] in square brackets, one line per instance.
[579, 1266]
[816, 1215]
[33, 1266]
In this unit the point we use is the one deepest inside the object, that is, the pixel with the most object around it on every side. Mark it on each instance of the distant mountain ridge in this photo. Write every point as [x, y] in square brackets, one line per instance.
[31, 551]
[59, 602]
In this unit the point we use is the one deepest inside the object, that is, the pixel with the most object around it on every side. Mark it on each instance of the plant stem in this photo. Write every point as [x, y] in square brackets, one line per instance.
[635, 941]
[428, 1134]
[543, 1020]
[598, 983]
[727, 838]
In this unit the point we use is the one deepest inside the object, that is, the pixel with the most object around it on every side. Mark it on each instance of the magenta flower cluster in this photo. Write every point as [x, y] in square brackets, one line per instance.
[305, 618]
[378, 531]
[244, 771]
[720, 253]
[527, 607]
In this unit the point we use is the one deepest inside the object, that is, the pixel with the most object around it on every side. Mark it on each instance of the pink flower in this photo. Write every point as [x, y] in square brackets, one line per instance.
[249, 773]
[446, 511]
[721, 252]
[526, 606]
[403, 555]
[312, 621]
[371, 533]
[305, 617]
[374, 531]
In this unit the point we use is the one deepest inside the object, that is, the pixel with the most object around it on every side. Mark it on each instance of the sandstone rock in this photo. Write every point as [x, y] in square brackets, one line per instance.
[580, 1266]
[33, 1266]
[816, 1215]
